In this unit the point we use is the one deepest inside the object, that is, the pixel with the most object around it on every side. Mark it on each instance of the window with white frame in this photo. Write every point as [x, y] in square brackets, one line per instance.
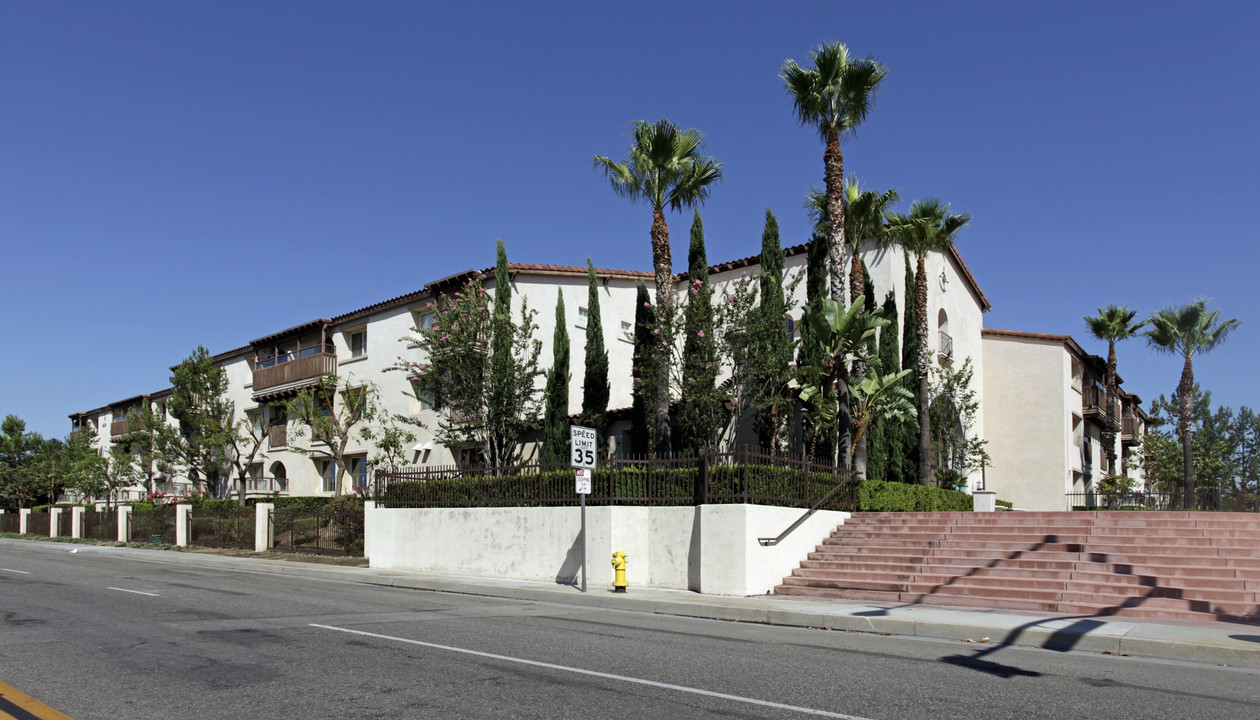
[627, 330]
[357, 467]
[358, 343]
[256, 480]
[328, 473]
[583, 316]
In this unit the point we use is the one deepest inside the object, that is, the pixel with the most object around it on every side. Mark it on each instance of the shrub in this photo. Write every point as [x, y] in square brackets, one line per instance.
[880, 496]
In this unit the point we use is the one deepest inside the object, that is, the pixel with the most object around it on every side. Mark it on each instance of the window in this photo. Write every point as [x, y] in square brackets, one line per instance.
[583, 316]
[256, 480]
[789, 325]
[358, 469]
[358, 343]
[627, 330]
[328, 471]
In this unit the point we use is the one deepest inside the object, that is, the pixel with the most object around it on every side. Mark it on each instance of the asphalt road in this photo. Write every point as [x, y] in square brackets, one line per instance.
[109, 633]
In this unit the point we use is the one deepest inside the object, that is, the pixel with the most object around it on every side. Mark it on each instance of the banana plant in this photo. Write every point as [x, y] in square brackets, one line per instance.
[839, 335]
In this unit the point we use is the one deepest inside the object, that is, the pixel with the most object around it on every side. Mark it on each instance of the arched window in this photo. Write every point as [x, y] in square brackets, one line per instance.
[945, 342]
[280, 476]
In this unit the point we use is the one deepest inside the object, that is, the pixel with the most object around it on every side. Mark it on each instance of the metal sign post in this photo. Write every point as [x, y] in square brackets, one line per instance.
[582, 441]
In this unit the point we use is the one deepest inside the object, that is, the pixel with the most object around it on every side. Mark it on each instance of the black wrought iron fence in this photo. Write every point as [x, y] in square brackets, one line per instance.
[1206, 499]
[10, 523]
[711, 477]
[323, 531]
[232, 529]
[153, 526]
[100, 525]
[38, 524]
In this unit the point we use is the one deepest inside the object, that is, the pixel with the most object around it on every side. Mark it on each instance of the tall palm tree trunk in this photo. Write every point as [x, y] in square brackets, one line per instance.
[857, 288]
[1109, 435]
[925, 420]
[1185, 389]
[833, 177]
[662, 263]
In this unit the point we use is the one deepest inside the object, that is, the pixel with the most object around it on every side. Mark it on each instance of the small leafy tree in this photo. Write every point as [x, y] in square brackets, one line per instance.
[149, 438]
[954, 412]
[883, 444]
[457, 370]
[199, 403]
[331, 414]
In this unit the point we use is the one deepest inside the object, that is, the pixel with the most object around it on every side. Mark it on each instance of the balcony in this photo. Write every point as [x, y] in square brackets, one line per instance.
[1094, 402]
[946, 346]
[118, 428]
[288, 368]
[1129, 432]
[277, 436]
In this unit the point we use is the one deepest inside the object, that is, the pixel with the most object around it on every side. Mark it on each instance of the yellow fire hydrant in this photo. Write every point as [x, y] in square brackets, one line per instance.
[619, 565]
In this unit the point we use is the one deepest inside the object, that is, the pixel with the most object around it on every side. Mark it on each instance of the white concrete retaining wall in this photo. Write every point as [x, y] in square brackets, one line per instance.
[711, 549]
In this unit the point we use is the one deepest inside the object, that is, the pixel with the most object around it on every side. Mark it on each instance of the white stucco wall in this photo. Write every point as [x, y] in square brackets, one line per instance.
[711, 549]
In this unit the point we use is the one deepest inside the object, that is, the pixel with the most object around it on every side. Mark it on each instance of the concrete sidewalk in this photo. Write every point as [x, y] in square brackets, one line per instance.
[1207, 642]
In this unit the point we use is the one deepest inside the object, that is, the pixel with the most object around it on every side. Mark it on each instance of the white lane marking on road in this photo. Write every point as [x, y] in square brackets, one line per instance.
[138, 592]
[20, 572]
[594, 673]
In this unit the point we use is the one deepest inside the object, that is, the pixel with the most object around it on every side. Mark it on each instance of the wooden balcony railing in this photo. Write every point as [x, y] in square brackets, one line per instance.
[1129, 431]
[283, 371]
[277, 436]
[118, 427]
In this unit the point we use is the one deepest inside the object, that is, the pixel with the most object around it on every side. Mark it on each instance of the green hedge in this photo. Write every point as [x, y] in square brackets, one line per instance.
[1006, 504]
[880, 496]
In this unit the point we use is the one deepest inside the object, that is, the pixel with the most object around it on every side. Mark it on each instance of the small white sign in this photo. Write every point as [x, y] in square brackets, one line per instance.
[583, 481]
[582, 444]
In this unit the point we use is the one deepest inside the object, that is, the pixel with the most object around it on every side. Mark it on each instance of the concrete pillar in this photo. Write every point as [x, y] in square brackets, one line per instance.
[54, 518]
[984, 501]
[183, 516]
[369, 506]
[264, 534]
[24, 516]
[76, 522]
[124, 523]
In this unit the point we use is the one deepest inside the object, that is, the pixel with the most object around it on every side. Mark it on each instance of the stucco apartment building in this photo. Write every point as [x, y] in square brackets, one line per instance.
[362, 345]
[1048, 413]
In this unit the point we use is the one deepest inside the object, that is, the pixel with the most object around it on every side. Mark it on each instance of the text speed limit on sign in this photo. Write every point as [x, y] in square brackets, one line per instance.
[582, 444]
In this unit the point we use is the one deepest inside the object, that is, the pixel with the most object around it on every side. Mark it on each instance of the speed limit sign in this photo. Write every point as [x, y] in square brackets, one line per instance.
[582, 444]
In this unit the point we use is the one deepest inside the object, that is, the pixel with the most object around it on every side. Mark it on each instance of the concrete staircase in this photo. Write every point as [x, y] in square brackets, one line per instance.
[1169, 565]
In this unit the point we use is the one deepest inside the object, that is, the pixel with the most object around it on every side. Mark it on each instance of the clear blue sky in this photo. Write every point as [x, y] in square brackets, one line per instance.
[175, 174]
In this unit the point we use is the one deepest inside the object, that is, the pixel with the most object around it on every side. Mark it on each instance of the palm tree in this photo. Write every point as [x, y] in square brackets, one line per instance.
[665, 168]
[1184, 331]
[864, 214]
[1113, 324]
[928, 227]
[834, 96]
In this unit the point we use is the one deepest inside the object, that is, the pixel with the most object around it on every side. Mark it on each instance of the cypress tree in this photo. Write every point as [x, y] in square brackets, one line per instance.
[502, 384]
[697, 419]
[642, 371]
[556, 416]
[909, 455]
[816, 279]
[595, 385]
[883, 447]
[773, 409]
